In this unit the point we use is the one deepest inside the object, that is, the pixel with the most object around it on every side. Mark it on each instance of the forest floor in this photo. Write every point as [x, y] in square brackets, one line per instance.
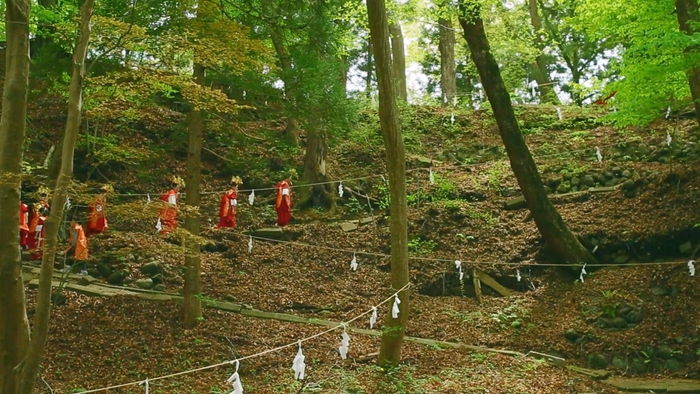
[633, 319]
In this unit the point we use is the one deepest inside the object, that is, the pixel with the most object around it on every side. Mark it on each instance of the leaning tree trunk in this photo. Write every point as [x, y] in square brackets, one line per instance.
[550, 224]
[193, 266]
[540, 67]
[370, 69]
[286, 66]
[398, 60]
[40, 328]
[14, 327]
[448, 68]
[394, 329]
[688, 19]
[315, 167]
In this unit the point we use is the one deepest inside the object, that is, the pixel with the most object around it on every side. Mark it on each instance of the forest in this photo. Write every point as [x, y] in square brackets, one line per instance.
[343, 196]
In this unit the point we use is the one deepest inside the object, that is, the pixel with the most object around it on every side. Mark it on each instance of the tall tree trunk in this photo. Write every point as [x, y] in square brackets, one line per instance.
[688, 19]
[398, 60]
[448, 68]
[370, 70]
[193, 269]
[394, 330]
[556, 234]
[286, 65]
[540, 68]
[315, 167]
[40, 330]
[14, 327]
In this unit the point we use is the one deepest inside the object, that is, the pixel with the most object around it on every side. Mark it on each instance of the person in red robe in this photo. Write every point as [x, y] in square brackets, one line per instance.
[283, 204]
[97, 222]
[32, 239]
[23, 225]
[229, 205]
[78, 244]
[37, 249]
[167, 219]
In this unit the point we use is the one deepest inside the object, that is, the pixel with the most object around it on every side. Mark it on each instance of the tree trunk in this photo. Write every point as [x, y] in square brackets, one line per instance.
[193, 268]
[398, 60]
[448, 68]
[44, 32]
[40, 329]
[370, 69]
[286, 66]
[550, 224]
[315, 168]
[540, 68]
[14, 327]
[688, 19]
[392, 339]
[344, 75]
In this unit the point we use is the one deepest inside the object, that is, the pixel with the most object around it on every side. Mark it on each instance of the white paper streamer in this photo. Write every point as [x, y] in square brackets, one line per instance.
[395, 308]
[250, 244]
[452, 118]
[353, 262]
[344, 344]
[68, 202]
[251, 197]
[614, 109]
[668, 138]
[594, 249]
[691, 267]
[431, 176]
[340, 189]
[454, 101]
[668, 112]
[159, 225]
[458, 265]
[517, 275]
[145, 382]
[373, 318]
[298, 365]
[235, 381]
[583, 272]
[598, 154]
[148, 198]
[533, 85]
[559, 114]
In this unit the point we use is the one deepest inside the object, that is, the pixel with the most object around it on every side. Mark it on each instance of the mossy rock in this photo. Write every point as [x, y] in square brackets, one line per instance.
[597, 361]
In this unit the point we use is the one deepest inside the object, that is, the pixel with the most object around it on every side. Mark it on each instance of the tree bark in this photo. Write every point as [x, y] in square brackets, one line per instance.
[394, 331]
[286, 66]
[315, 167]
[370, 69]
[14, 327]
[687, 12]
[40, 328]
[556, 234]
[540, 69]
[193, 266]
[398, 60]
[448, 68]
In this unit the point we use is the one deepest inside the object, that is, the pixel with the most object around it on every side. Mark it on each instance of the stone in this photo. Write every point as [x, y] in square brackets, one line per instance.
[604, 322]
[348, 226]
[617, 171]
[619, 322]
[515, 203]
[628, 185]
[626, 174]
[152, 268]
[620, 363]
[575, 181]
[674, 291]
[597, 361]
[564, 188]
[664, 351]
[608, 175]
[117, 277]
[159, 287]
[572, 335]
[276, 233]
[685, 248]
[366, 220]
[145, 284]
[637, 365]
[588, 181]
[623, 310]
[609, 183]
[659, 291]
[157, 279]
[621, 259]
[673, 365]
[104, 269]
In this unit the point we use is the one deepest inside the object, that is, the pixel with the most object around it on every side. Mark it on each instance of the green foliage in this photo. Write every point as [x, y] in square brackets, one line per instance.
[420, 246]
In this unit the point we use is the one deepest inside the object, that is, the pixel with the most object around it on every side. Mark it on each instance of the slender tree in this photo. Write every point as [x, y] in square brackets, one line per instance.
[287, 76]
[689, 22]
[398, 59]
[555, 232]
[390, 353]
[448, 67]
[540, 69]
[14, 327]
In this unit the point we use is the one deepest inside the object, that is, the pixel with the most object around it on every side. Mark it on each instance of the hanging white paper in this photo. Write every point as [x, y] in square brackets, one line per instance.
[458, 265]
[559, 114]
[614, 109]
[250, 244]
[344, 344]
[67, 202]
[145, 383]
[431, 176]
[298, 365]
[373, 318]
[454, 101]
[244, 95]
[452, 118]
[340, 189]
[691, 267]
[353, 262]
[594, 249]
[533, 85]
[461, 274]
[668, 138]
[235, 381]
[395, 308]
[598, 154]
[148, 198]
[517, 275]
[583, 272]
[251, 197]
[159, 225]
[668, 112]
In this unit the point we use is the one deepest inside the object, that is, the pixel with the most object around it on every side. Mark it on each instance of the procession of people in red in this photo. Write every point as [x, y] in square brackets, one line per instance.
[32, 227]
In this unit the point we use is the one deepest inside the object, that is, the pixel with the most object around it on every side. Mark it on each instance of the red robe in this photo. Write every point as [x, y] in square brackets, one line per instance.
[37, 250]
[98, 221]
[168, 214]
[283, 204]
[228, 209]
[33, 222]
[80, 249]
[23, 225]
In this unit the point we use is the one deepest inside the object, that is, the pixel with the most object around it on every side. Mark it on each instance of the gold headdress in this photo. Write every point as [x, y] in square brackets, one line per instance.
[43, 190]
[236, 180]
[108, 188]
[178, 181]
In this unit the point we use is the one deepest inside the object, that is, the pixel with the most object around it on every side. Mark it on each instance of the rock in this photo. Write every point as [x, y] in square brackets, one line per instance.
[630, 193]
[621, 259]
[637, 365]
[566, 175]
[673, 365]
[619, 322]
[564, 188]
[575, 181]
[626, 174]
[609, 183]
[157, 279]
[348, 226]
[608, 175]
[664, 351]
[599, 178]
[369, 219]
[617, 171]
[628, 185]
[515, 203]
[623, 310]
[620, 363]
[674, 291]
[686, 247]
[588, 181]
[554, 182]
[104, 269]
[229, 298]
[117, 277]
[145, 284]
[275, 233]
[659, 291]
[152, 268]
[604, 322]
[572, 335]
[597, 361]
[159, 287]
